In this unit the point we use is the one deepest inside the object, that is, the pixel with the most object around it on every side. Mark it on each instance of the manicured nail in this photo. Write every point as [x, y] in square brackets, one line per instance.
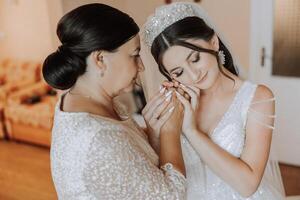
[168, 93]
[171, 109]
[162, 89]
[182, 85]
[168, 98]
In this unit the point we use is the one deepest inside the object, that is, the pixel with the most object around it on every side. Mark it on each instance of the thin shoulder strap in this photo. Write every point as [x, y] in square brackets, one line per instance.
[263, 101]
[260, 117]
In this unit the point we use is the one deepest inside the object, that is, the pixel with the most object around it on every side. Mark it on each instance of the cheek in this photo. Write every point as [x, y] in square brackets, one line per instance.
[185, 79]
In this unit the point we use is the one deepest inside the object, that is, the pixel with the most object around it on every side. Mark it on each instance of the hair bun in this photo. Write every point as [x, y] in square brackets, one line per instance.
[62, 68]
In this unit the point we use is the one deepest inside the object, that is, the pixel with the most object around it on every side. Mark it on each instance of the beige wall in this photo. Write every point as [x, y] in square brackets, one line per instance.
[29, 25]
[232, 17]
[26, 27]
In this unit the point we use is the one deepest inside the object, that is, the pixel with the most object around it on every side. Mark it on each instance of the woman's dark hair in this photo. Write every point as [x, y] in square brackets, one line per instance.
[179, 32]
[83, 30]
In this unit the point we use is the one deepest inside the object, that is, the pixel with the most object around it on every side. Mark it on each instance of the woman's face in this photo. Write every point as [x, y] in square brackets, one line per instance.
[191, 67]
[122, 67]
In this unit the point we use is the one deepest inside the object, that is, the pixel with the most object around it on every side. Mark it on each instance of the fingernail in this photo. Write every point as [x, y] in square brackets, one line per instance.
[168, 93]
[162, 89]
[182, 85]
[171, 109]
[168, 98]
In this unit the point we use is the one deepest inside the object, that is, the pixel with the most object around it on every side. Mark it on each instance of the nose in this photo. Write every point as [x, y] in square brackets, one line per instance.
[141, 66]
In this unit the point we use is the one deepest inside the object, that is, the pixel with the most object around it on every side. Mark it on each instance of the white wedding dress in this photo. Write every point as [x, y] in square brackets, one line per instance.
[230, 135]
[94, 158]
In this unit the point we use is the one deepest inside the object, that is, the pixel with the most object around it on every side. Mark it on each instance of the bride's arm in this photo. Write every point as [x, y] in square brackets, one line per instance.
[117, 170]
[245, 173]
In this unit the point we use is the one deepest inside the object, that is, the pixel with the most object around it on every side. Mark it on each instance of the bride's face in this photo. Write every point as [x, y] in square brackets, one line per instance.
[192, 67]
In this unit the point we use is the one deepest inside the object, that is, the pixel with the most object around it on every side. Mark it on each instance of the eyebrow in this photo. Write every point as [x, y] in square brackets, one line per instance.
[172, 70]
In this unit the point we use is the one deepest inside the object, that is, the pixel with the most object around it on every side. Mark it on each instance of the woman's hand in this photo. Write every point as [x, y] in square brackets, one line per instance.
[157, 111]
[174, 124]
[190, 106]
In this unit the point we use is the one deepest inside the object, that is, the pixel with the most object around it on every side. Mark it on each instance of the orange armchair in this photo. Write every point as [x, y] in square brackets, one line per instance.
[29, 114]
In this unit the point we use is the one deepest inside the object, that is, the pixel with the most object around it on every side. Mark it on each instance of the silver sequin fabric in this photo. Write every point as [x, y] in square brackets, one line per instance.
[97, 158]
[229, 134]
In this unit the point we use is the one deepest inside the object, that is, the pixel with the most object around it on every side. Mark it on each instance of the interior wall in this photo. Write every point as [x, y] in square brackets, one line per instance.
[29, 25]
[25, 24]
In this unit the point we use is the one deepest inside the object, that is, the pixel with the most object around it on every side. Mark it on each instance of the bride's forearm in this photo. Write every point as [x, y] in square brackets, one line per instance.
[232, 170]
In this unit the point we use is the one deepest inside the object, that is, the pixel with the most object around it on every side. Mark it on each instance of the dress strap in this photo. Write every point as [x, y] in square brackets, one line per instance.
[264, 119]
[263, 101]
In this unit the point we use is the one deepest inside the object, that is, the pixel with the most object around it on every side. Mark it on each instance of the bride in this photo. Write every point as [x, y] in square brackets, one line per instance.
[228, 122]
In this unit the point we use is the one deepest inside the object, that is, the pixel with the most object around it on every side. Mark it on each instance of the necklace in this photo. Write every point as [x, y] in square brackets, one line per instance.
[86, 96]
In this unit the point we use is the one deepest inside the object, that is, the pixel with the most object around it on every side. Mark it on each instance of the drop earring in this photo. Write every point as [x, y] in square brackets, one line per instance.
[221, 56]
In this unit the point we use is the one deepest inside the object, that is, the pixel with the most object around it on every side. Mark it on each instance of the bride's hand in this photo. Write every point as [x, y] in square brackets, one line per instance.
[190, 107]
[157, 111]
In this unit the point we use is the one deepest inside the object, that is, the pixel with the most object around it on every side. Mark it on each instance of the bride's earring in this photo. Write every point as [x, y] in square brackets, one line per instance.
[221, 56]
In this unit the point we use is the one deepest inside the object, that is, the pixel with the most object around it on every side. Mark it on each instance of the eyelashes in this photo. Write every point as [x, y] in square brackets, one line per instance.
[136, 57]
[179, 73]
[197, 58]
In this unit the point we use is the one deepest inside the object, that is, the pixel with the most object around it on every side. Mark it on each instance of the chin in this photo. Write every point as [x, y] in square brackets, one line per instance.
[203, 84]
[127, 89]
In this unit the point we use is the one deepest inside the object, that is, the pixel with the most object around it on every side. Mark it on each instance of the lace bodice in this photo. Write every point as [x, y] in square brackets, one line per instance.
[97, 158]
[230, 135]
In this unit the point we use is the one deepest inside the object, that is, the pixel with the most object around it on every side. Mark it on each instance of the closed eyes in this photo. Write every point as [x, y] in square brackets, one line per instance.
[179, 73]
[197, 58]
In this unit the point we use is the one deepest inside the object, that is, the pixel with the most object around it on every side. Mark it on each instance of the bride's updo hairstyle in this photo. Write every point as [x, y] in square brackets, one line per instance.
[88, 28]
[182, 30]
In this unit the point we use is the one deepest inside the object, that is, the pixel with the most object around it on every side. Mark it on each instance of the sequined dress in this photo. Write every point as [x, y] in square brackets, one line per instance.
[94, 157]
[230, 135]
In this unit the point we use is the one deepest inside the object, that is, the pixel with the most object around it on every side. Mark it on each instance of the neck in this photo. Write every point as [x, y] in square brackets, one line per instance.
[88, 100]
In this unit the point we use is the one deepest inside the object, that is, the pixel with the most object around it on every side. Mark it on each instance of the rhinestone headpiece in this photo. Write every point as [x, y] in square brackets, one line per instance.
[165, 16]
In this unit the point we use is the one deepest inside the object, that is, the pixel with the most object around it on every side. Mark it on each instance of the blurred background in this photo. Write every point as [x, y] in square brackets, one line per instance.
[264, 36]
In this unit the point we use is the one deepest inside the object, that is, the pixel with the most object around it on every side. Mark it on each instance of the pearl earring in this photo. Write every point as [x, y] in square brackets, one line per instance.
[221, 56]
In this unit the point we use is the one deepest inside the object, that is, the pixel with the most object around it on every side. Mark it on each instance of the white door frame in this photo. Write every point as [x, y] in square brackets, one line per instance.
[286, 89]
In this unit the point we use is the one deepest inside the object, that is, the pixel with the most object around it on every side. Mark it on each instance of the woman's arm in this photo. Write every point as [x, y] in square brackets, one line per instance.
[245, 173]
[152, 112]
[118, 170]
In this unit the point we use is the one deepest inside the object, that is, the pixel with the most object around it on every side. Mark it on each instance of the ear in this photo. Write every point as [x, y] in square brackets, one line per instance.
[215, 42]
[97, 57]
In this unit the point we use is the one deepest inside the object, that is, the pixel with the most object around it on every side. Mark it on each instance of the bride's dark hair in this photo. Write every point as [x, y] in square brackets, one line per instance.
[83, 30]
[179, 32]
